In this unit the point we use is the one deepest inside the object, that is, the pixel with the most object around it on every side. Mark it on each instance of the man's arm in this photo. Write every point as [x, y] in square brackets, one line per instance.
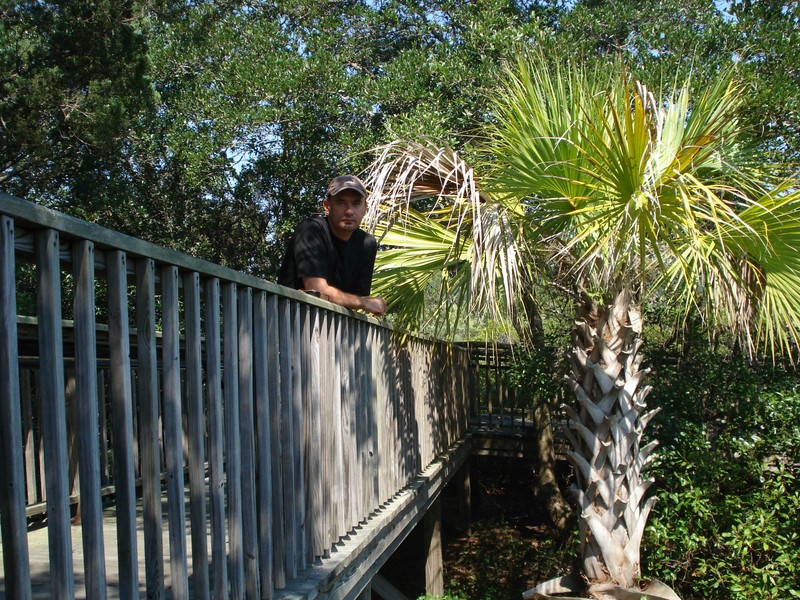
[374, 305]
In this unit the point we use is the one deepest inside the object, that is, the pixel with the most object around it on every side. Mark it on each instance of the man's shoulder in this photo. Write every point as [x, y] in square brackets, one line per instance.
[315, 225]
[313, 222]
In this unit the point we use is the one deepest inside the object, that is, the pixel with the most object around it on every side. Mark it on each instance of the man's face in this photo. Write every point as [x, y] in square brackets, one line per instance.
[345, 212]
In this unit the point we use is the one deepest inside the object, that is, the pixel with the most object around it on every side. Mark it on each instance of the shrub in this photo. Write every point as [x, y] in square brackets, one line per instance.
[726, 524]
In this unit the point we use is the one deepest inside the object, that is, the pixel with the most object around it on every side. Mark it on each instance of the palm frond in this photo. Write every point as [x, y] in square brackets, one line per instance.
[427, 206]
[747, 277]
[624, 186]
[776, 217]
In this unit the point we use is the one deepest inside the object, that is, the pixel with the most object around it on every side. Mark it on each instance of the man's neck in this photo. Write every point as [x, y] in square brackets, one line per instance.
[334, 232]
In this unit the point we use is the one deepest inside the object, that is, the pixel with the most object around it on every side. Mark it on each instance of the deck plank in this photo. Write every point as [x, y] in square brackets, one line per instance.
[40, 562]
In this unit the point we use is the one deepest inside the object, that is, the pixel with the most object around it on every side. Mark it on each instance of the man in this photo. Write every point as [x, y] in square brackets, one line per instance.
[331, 255]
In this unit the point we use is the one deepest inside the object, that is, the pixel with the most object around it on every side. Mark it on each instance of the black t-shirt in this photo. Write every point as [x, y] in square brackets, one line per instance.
[313, 251]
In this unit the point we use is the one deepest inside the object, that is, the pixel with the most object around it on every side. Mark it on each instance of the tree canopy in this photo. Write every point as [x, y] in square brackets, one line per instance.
[213, 126]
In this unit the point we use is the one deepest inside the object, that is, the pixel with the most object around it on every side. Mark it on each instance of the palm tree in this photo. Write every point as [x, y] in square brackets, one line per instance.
[634, 196]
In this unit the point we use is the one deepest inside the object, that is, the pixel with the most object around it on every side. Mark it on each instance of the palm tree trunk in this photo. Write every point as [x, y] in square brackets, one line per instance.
[606, 431]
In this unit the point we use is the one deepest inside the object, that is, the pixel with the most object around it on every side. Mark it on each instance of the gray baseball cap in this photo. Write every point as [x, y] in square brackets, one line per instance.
[346, 182]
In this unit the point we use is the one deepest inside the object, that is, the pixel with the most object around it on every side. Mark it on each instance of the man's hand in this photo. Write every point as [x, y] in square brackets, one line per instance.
[374, 305]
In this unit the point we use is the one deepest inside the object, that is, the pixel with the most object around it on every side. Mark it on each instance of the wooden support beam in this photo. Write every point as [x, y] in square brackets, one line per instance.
[510, 446]
[464, 483]
[434, 567]
[384, 588]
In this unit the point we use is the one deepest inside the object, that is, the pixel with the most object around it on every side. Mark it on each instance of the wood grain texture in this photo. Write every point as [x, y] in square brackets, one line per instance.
[196, 434]
[53, 413]
[88, 446]
[233, 458]
[318, 420]
[122, 422]
[150, 450]
[216, 440]
[173, 433]
[12, 500]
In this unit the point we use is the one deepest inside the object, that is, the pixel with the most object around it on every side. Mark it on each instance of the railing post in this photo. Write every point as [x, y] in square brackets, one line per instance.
[327, 440]
[233, 452]
[297, 494]
[122, 422]
[85, 400]
[350, 451]
[12, 500]
[286, 484]
[275, 387]
[173, 433]
[150, 452]
[338, 473]
[216, 474]
[247, 444]
[196, 434]
[53, 415]
[312, 422]
[264, 372]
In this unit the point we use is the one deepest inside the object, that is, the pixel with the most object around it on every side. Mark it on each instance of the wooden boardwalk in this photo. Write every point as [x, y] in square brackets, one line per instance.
[306, 417]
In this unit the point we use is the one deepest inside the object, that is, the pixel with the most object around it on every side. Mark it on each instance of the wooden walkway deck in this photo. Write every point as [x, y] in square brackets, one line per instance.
[40, 560]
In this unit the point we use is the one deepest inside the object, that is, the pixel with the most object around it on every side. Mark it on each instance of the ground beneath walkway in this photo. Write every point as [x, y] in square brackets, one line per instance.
[511, 547]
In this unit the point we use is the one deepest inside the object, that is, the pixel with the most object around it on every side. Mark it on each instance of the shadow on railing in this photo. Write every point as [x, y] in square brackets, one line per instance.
[128, 370]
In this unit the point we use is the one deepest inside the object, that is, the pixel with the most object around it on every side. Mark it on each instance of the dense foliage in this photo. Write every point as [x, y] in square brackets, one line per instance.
[213, 126]
[726, 525]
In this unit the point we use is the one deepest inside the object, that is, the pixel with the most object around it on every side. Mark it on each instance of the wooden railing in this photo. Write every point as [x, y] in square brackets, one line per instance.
[127, 369]
[496, 404]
